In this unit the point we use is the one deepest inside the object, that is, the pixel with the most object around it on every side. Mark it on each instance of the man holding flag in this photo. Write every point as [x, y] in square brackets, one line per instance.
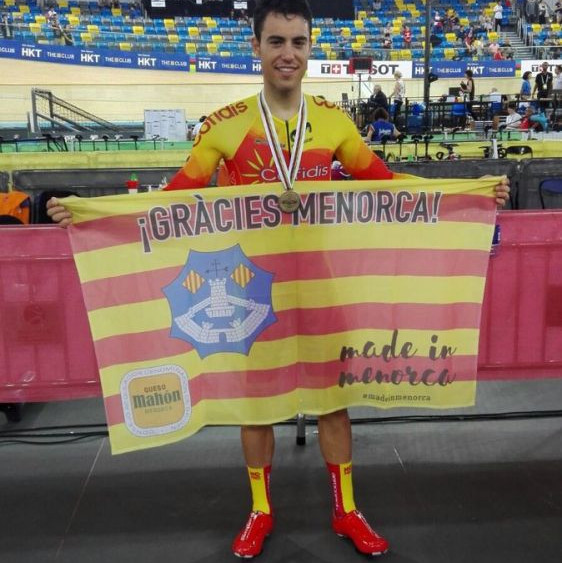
[283, 135]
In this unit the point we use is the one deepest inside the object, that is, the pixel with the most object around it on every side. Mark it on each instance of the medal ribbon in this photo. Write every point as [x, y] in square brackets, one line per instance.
[286, 175]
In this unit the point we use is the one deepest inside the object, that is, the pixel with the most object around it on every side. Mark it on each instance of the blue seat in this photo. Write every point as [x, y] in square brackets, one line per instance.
[550, 186]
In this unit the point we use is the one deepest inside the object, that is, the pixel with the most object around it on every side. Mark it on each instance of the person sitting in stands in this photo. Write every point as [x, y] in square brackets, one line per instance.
[407, 36]
[381, 127]
[513, 119]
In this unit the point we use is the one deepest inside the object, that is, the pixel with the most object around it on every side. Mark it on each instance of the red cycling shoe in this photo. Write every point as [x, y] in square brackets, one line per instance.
[354, 526]
[249, 542]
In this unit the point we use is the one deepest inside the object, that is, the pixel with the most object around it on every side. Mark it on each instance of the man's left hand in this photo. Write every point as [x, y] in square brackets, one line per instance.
[502, 191]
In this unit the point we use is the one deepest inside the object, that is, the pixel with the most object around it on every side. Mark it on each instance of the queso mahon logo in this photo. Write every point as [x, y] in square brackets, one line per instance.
[156, 400]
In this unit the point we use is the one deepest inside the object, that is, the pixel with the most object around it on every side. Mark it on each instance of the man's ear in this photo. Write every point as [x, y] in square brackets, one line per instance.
[256, 45]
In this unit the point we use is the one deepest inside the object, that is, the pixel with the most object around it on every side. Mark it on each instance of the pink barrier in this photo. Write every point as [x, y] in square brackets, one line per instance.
[47, 352]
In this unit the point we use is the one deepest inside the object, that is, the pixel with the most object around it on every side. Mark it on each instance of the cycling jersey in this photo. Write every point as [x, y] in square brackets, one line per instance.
[235, 134]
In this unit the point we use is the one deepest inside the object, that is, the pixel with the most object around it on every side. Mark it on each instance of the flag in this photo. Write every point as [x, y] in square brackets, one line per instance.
[212, 306]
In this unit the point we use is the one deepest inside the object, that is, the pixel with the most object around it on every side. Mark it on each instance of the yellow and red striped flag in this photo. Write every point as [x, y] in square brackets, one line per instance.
[212, 306]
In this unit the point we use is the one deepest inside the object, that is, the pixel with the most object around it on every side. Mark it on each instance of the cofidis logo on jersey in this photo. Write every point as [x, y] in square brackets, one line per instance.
[220, 302]
[155, 400]
[227, 112]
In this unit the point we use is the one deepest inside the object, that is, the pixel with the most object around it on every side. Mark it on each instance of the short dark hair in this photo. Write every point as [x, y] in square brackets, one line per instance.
[284, 7]
[469, 73]
[380, 113]
[526, 75]
[512, 105]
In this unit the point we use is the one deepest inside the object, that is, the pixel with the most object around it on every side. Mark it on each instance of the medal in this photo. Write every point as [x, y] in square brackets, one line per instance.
[289, 200]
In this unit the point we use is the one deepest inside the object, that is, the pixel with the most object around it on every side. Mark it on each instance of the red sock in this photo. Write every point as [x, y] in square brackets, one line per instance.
[342, 488]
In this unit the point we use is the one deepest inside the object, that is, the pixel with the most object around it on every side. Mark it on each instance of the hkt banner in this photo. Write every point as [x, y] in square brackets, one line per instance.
[213, 306]
[456, 69]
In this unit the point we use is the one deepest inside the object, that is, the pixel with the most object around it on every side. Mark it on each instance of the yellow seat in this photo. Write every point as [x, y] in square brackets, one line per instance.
[394, 55]
[173, 38]
[449, 54]
[406, 54]
[75, 10]
[117, 12]
[169, 23]
[555, 27]
[451, 37]
[346, 32]
[361, 39]
[225, 54]
[125, 46]
[24, 9]
[465, 22]
[138, 30]
[362, 14]
[73, 20]
[212, 48]
[190, 48]
[9, 2]
[326, 47]
[358, 24]
[93, 29]
[316, 31]
[86, 37]
[40, 19]
[333, 56]
[63, 3]
[193, 31]
[217, 38]
[357, 46]
[211, 23]
[35, 28]
[536, 27]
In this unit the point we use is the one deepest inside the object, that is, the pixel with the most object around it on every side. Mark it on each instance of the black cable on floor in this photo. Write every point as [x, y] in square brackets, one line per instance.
[44, 435]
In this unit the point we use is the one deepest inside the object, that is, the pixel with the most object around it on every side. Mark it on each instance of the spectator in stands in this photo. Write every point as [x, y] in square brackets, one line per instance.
[513, 119]
[525, 92]
[66, 36]
[197, 127]
[533, 122]
[558, 11]
[498, 16]
[543, 85]
[115, 4]
[557, 82]
[437, 23]
[485, 23]
[381, 127]
[532, 10]
[507, 50]
[435, 38]
[6, 27]
[398, 94]
[407, 36]
[378, 99]
[467, 88]
[387, 41]
[493, 48]
[51, 15]
[377, 5]
[104, 3]
[543, 12]
[551, 50]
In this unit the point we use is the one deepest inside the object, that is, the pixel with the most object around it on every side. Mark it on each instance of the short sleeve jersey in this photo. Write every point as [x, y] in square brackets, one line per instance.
[235, 134]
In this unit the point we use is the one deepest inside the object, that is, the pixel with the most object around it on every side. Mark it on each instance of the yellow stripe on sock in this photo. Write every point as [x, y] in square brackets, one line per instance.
[346, 487]
[259, 490]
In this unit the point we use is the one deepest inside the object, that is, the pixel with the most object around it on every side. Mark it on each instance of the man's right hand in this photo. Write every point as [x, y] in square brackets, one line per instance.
[58, 213]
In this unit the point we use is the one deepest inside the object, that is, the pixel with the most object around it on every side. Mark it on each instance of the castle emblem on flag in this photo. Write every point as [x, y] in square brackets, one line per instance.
[220, 302]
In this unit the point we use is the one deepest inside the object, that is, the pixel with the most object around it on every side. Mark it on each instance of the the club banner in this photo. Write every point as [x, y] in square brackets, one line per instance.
[212, 306]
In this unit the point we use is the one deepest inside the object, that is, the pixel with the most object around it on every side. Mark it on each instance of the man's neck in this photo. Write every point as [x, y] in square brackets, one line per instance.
[283, 105]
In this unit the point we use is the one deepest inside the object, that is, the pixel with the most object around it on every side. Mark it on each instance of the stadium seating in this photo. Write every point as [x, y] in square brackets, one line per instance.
[331, 38]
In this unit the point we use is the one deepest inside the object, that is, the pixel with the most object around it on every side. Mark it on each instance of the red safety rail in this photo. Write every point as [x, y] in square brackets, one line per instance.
[521, 328]
[47, 352]
[46, 349]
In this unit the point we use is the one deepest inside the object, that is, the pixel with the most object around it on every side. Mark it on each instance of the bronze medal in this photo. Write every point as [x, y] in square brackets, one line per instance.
[289, 201]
